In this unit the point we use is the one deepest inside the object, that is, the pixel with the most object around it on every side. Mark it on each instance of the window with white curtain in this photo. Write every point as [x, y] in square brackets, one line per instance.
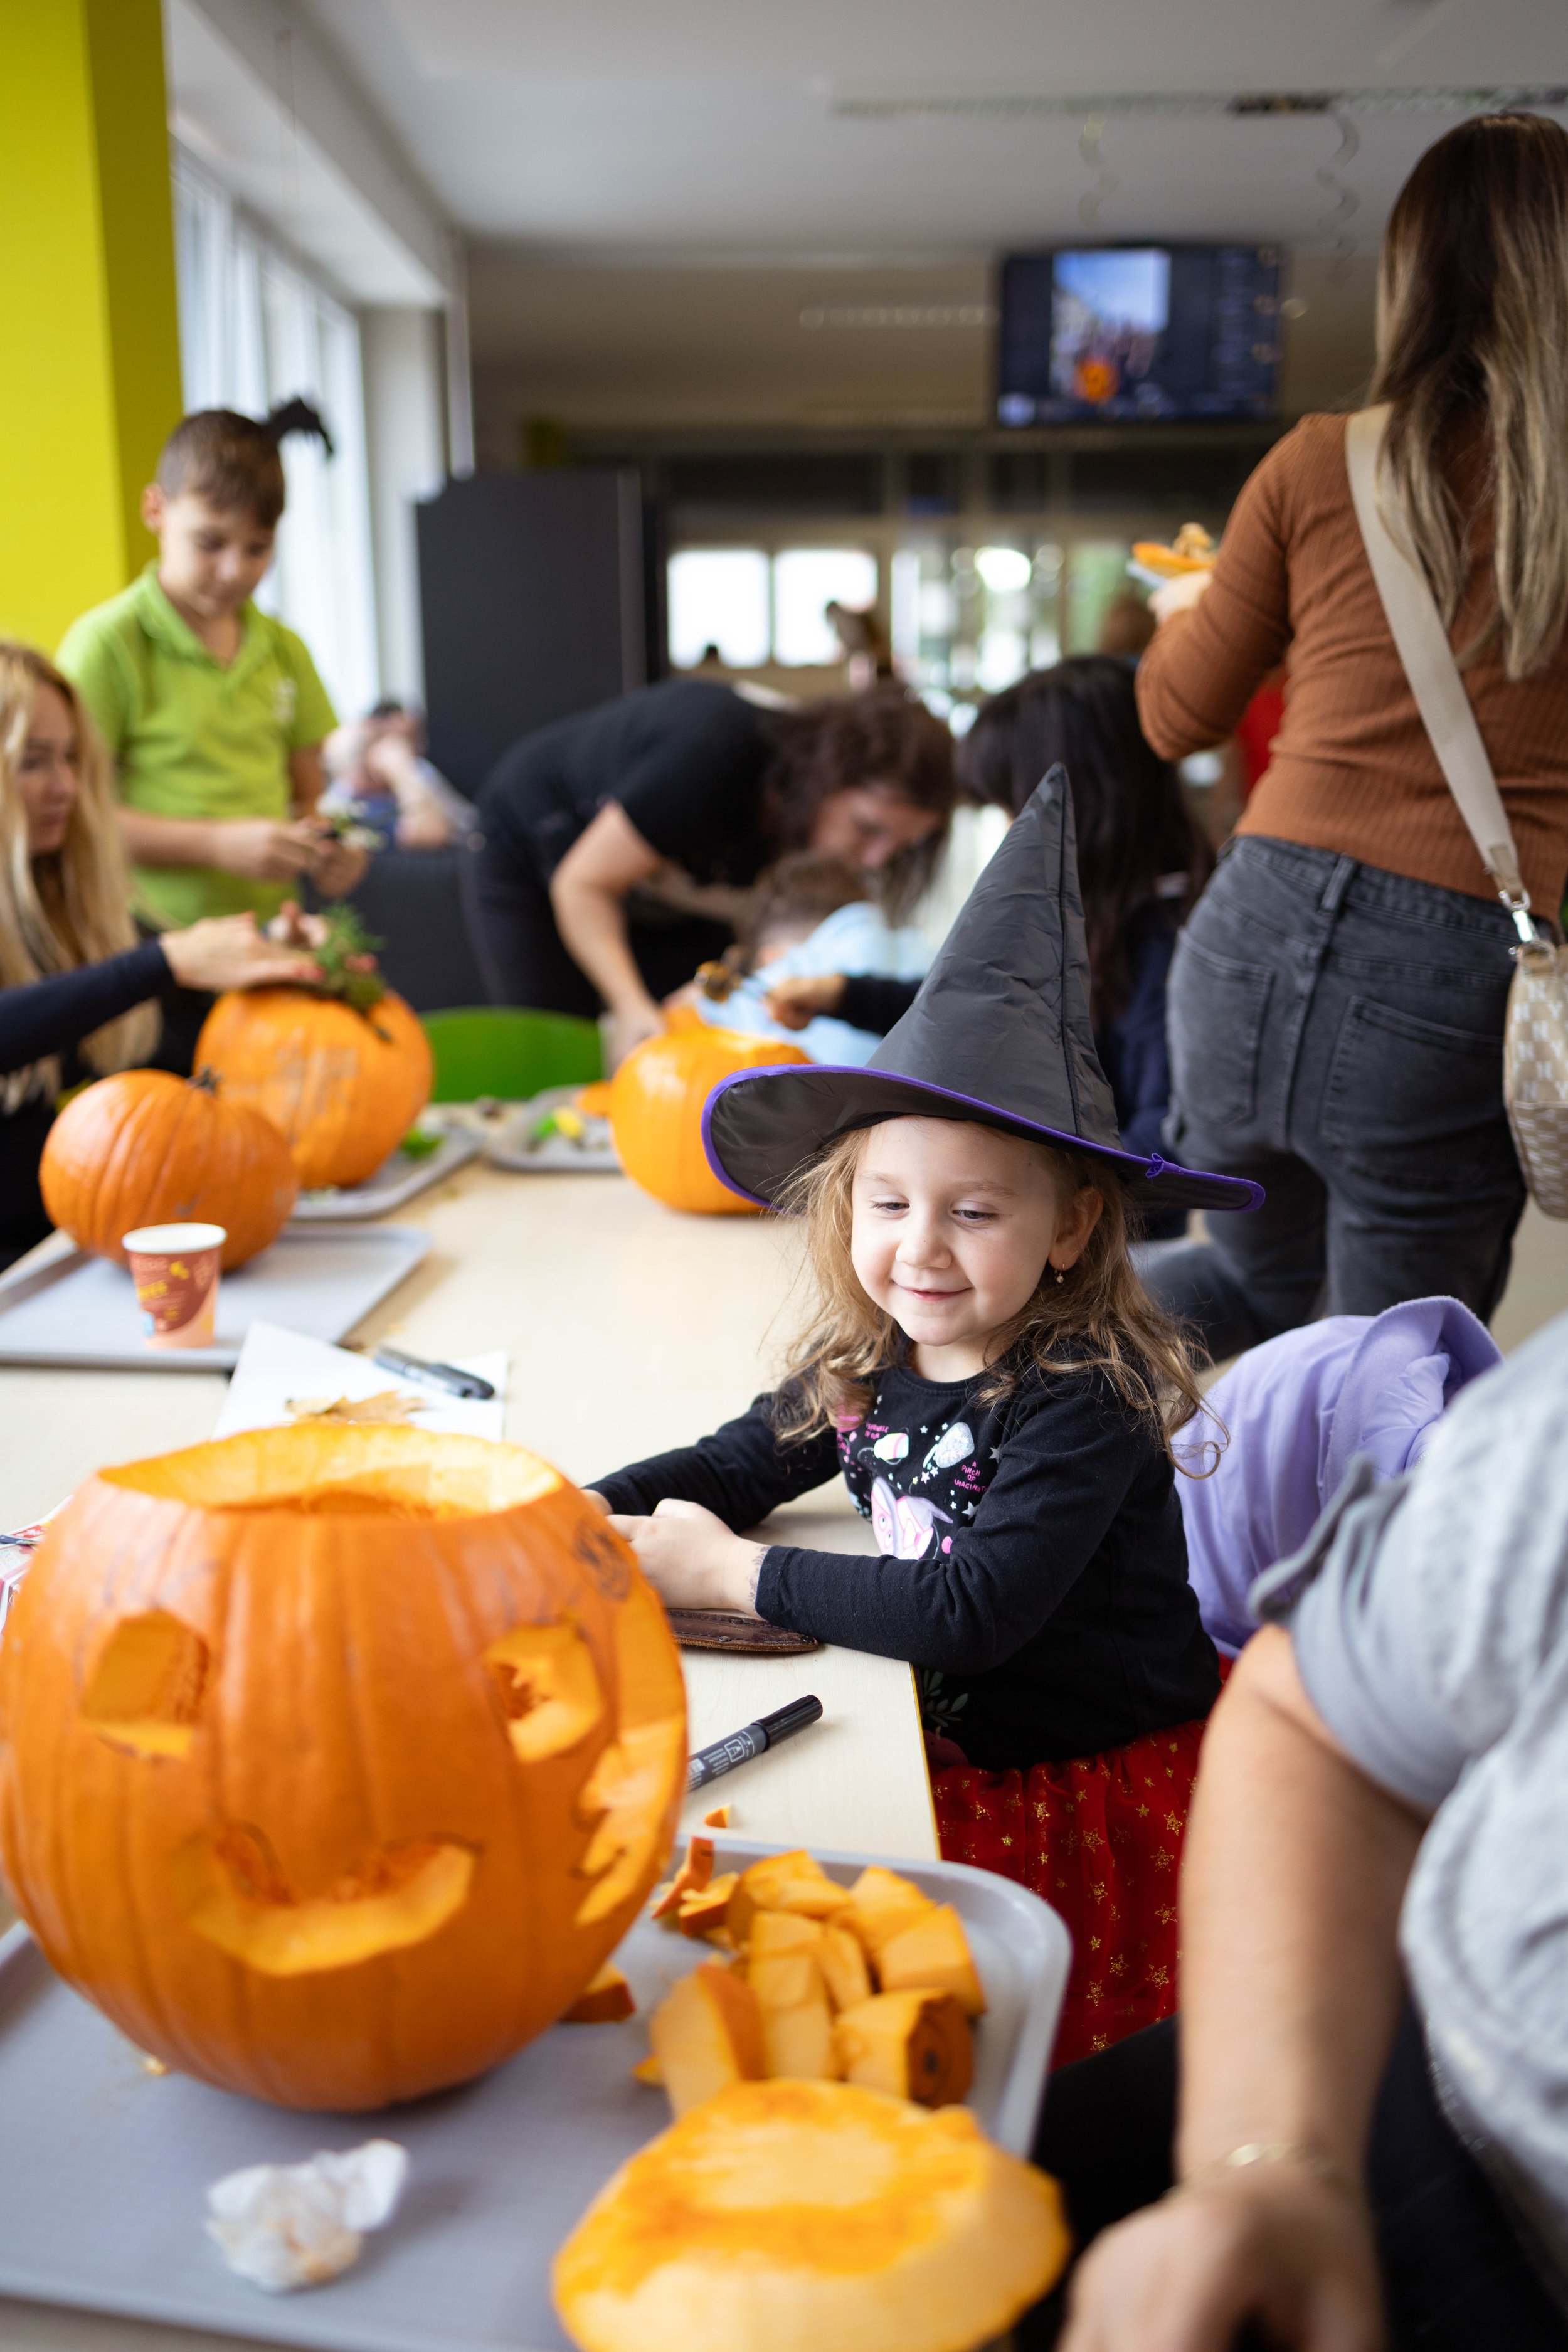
[255, 330]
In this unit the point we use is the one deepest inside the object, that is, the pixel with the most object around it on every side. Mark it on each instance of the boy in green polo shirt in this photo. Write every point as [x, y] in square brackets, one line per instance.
[212, 709]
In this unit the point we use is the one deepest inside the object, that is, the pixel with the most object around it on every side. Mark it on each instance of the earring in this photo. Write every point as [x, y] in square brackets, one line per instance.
[1060, 1276]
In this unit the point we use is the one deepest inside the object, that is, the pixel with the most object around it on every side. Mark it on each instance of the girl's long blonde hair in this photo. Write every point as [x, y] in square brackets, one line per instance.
[73, 906]
[1101, 1318]
[1472, 323]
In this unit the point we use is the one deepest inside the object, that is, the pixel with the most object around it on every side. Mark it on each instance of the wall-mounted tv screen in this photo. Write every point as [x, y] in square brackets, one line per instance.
[1136, 333]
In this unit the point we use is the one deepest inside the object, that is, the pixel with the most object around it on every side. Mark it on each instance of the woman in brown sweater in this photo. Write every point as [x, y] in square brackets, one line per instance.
[1337, 1001]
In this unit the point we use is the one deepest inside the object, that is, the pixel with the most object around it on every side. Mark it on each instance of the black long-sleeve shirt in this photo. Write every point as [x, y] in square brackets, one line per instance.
[40, 1017]
[1032, 1563]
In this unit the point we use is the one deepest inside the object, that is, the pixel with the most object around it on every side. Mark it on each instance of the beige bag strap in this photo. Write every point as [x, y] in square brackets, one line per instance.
[1422, 643]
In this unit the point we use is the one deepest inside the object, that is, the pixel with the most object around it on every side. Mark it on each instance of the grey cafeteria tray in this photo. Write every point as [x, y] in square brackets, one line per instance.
[81, 1312]
[106, 2167]
[393, 1185]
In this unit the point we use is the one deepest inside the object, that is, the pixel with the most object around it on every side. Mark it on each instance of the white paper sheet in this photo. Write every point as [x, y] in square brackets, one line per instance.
[276, 1364]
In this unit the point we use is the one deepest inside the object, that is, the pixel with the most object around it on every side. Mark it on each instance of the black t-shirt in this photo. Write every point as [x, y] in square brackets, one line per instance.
[1032, 1565]
[685, 760]
[39, 1017]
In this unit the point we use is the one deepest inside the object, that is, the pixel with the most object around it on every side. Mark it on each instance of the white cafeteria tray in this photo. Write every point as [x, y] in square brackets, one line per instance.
[80, 1311]
[106, 2166]
[391, 1186]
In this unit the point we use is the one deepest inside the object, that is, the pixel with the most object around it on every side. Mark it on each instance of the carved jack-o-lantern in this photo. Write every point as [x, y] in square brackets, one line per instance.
[334, 1761]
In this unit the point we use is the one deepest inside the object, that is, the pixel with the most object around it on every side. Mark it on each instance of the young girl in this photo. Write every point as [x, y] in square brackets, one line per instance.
[999, 1392]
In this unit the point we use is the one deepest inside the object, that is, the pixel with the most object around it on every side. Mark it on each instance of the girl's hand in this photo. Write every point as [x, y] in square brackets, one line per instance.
[228, 951]
[692, 1560]
[1276, 2246]
[793, 1004]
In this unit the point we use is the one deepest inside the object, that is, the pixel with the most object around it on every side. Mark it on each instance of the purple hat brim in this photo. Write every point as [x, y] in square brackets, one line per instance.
[846, 1099]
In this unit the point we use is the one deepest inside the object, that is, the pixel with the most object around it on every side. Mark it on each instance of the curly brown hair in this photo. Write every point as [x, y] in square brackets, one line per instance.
[1100, 1319]
[884, 737]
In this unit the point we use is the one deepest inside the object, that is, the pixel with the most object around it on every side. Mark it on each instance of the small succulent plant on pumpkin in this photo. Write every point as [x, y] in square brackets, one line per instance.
[347, 958]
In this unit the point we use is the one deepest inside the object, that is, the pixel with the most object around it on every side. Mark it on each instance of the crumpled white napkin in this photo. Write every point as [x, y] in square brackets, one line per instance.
[288, 2225]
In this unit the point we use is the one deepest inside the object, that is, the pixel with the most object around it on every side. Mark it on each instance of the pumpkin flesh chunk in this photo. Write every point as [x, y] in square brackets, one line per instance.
[146, 1691]
[910, 2045]
[932, 1956]
[707, 2033]
[548, 1688]
[231, 1890]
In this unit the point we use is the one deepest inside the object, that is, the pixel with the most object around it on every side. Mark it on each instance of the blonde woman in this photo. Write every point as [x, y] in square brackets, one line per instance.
[78, 990]
[1337, 999]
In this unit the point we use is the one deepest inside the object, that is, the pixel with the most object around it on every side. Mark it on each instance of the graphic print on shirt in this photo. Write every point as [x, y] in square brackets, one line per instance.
[903, 1524]
[917, 1486]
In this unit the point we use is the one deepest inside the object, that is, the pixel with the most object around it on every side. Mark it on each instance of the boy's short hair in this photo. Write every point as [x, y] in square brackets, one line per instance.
[234, 462]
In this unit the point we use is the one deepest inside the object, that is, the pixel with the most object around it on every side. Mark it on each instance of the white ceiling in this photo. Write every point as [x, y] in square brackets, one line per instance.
[691, 131]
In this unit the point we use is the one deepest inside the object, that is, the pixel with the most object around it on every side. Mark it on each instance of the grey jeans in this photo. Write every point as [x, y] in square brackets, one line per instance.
[1336, 1034]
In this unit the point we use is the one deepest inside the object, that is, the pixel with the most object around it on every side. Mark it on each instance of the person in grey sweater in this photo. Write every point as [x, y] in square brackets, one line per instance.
[1371, 2141]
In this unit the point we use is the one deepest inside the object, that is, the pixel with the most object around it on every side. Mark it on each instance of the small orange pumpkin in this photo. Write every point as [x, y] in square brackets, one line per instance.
[344, 1086]
[656, 1109]
[145, 1147]
[335, 1760]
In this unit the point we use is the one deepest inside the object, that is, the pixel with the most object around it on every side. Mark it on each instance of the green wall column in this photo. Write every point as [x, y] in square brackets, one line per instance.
[89, 382]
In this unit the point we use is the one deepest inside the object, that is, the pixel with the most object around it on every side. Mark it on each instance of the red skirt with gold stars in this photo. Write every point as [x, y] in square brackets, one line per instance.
[1098, 1838]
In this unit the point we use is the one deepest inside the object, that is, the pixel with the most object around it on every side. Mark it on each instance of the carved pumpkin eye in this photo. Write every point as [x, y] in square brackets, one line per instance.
[548, 1688]
[230, 1887]
[144, 1694]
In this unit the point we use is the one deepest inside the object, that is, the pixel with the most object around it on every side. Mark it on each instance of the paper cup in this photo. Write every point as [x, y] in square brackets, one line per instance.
[176, 1269]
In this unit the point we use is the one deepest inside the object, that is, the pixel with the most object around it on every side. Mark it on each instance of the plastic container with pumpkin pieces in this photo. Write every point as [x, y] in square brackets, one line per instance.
[501, 2171]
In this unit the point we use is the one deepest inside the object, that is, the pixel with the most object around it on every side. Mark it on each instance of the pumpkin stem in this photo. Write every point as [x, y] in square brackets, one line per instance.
[207, 1079]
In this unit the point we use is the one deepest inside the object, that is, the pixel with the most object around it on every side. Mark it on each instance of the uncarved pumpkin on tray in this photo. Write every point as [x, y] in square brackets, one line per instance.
[657, 1099]
[336, 1759]
[145, 1147]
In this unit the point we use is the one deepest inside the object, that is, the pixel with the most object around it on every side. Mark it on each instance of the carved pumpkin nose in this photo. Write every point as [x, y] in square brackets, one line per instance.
[339, 1759]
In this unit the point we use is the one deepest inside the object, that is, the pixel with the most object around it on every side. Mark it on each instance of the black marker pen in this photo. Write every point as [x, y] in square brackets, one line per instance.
[712, 1763]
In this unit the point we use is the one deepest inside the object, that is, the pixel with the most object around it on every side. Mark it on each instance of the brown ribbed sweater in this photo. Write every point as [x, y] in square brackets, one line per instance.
[1352, 770]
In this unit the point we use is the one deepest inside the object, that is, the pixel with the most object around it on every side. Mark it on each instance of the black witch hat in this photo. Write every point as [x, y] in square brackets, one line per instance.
[1000, 1034]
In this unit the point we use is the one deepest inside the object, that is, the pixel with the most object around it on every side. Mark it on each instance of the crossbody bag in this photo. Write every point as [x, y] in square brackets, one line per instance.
[1535, 1039]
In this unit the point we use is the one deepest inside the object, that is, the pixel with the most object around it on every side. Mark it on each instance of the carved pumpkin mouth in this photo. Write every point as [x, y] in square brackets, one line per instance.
[231, 1890]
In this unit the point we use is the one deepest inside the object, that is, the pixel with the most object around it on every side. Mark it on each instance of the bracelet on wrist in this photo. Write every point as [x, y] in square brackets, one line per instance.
[1274, 2151]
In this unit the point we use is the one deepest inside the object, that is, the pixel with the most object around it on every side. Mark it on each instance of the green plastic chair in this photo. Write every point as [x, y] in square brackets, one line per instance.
[493, 1049]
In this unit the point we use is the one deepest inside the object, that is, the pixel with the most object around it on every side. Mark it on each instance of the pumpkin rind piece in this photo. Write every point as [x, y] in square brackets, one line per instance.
[145, 1147]
[707, 2032]
[696, 1870]
[703, 1913]
[605, 2001]
[787, 2215]
[932, 1956]
[912, 2045]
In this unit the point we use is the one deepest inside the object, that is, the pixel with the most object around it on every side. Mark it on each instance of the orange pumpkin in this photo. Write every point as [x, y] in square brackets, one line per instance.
[344, 1086]
[334, 1761]
[656, 1109]
[147, 1149]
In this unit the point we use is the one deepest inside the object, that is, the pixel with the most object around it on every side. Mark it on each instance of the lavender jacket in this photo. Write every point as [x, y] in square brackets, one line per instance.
[1297, 1409]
